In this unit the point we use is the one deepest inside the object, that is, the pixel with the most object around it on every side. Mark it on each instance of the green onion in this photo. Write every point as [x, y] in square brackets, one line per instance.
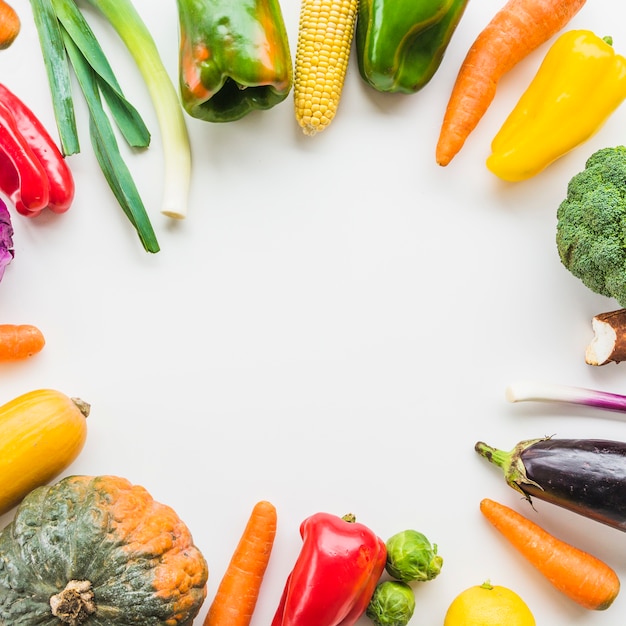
[125, 115]
[62, 27]
[124, 18]
[530, 390]
[107, 152]
[58, 72]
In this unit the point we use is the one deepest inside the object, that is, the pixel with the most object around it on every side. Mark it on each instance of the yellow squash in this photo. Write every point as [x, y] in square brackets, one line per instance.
[43, 431]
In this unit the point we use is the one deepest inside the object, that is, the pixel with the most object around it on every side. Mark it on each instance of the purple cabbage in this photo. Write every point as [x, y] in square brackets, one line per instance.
[6, 238]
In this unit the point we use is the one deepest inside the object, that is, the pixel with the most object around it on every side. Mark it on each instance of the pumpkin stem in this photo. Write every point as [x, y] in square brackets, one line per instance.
[82, 406]
[75, 603]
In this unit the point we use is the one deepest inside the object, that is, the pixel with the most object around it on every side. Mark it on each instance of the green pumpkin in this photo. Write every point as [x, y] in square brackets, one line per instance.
[101, 552]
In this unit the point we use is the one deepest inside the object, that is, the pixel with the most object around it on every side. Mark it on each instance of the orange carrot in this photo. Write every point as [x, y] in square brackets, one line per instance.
[9, 25]
[238, 591]
[19, 341]
[579, 575]
[513, 33]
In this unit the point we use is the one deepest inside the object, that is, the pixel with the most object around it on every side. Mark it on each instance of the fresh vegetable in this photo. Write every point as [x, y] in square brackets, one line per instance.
[6, 238]
[320, 70]
[586, 476]
[10, 25]
[238, 591]
[590, 221]
[65, 34]
[411, 557]
[20, 341]
[335, 574]
[529, 390]
[392, 604]
[234, 57]
[608, 344]
[488, 605]
[400, 45]
[98, 550]
[579, 84]
[33, 172]
[583, 578]
[133, 31]
[517, 29]
[43, 432]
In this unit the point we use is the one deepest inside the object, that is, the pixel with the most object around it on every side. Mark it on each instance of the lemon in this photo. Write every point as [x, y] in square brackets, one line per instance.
[488, 605]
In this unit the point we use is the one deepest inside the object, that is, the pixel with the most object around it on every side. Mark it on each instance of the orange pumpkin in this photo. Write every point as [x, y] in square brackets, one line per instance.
[99, 550]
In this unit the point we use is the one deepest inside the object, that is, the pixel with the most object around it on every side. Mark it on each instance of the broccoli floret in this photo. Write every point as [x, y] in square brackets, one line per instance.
[591, 224]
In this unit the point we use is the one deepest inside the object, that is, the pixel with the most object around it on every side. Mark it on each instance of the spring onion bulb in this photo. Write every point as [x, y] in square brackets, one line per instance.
[522, 391]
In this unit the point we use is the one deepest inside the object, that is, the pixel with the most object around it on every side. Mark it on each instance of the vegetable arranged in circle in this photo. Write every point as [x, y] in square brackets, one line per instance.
[488, 605]
[582, 577]
[586, 476]
[98, 549]
[392, 604]
[411, 557]
[43, 432]
[20, 341]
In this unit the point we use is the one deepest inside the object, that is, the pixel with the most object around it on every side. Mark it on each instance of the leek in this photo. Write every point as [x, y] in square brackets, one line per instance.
[124, 18]
[58, 73]
[523, 391]
[107, 152]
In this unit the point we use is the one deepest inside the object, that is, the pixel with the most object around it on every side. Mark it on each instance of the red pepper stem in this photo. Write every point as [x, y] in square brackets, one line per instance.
[349, 517]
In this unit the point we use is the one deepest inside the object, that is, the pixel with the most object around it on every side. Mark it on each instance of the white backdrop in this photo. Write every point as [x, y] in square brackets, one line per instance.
[331, 328]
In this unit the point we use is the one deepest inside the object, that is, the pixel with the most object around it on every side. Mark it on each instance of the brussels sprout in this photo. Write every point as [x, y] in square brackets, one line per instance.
[410, 556]
[392, 604]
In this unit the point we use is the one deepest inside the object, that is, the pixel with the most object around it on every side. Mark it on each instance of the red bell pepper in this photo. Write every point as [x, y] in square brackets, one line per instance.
[33, 172]
[335, 575]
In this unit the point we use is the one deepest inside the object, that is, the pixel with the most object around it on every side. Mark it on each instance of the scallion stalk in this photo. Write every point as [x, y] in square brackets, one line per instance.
[107, 151]
[62, 20]
[522, 391]
[58, 72]
[129, 25]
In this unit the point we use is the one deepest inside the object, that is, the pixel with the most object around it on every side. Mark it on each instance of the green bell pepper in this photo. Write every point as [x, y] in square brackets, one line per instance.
[400, 43]
[234, 57]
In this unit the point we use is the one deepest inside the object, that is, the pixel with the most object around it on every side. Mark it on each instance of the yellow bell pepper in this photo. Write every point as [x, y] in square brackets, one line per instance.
[580, 82]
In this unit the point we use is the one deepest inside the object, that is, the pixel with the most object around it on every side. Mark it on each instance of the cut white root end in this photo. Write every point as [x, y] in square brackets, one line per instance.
[609, 341]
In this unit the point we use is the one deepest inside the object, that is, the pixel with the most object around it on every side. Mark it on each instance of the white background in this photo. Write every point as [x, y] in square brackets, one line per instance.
[331, 328]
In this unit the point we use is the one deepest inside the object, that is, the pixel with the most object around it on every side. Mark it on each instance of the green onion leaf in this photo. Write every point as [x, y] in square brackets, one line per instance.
[106, 149]
[124, 18]
[58, 72]
[128, 120]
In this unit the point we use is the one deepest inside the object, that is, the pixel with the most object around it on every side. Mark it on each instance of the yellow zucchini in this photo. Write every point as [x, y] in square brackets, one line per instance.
[42, 432]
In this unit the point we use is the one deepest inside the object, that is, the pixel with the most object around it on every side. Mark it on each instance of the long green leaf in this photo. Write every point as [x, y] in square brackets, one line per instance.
[125, 19]
[106, 149]
[58, 72]
[126, 117]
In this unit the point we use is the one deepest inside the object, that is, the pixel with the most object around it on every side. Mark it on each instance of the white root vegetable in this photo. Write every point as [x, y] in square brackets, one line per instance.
[609, 341]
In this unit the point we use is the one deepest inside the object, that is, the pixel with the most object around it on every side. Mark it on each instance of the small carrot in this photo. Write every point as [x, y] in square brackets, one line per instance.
[19, 341]
[238, 591]
[9, 25]
[580, 576]
[513, 33]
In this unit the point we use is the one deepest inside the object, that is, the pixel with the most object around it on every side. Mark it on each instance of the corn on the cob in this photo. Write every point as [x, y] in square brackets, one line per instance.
[324, 40]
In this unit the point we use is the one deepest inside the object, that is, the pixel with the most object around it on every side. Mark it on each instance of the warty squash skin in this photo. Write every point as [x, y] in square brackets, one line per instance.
[99, 551]
[43, 431]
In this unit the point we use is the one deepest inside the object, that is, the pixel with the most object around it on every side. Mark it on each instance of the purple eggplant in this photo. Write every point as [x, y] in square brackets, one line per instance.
[586, 476]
